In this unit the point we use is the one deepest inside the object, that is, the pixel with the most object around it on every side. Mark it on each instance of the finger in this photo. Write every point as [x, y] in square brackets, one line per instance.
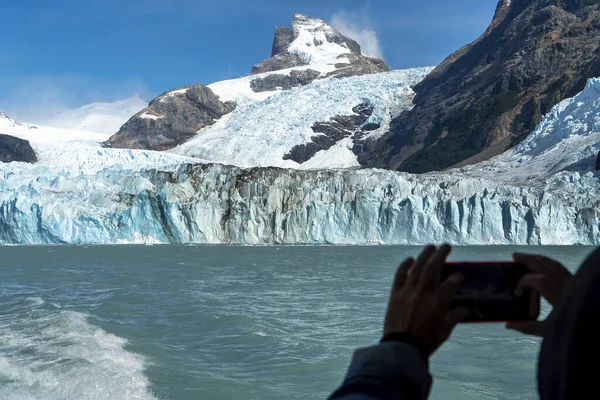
[449, 288]
[402, 273]
[453, 317]
[417, 269]
[430, 278]
[531, 262]
[559, 271]
[541, 283]
[545, 265]
[533, 328]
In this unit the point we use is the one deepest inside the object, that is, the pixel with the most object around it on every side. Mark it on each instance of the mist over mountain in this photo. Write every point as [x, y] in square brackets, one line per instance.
[98, 117]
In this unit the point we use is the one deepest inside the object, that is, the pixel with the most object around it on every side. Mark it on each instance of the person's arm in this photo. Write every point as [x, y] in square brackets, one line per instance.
[417, 323]
[394, 369]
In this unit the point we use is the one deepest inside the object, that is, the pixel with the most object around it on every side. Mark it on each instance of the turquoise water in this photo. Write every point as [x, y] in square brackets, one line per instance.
[182, 322]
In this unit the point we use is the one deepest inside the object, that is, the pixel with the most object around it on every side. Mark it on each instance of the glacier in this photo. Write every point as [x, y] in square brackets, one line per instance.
[544, 191]
[212, 203]
[260, 131]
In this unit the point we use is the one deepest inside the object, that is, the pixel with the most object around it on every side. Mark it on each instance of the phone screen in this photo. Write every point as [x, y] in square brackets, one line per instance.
[490, 292]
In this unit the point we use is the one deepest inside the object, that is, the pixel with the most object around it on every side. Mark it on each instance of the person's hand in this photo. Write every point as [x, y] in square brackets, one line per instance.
[549, 278]
[419, 302]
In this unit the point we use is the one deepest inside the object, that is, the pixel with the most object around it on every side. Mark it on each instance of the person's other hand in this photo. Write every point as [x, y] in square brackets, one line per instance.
[549, 278]
[419, 303]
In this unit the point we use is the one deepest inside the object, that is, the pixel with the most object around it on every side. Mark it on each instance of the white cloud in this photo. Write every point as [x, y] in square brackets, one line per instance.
[357, 26]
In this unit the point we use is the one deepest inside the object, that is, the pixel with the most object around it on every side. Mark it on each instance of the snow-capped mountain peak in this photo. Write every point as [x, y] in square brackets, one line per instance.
[312, 44]
[99, 117]
[317, 41]
[5, 119]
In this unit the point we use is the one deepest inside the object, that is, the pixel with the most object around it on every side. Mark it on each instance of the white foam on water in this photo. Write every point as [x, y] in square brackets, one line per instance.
[38, 301]
[57, 354]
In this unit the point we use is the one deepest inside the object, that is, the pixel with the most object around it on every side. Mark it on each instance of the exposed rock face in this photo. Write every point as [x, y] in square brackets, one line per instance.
[332, 132]
[279, 62]
[295, 47]
[171, 119]
[15, 149]
[355, 65]
[283, 39]
[284, 82]
[490, 94]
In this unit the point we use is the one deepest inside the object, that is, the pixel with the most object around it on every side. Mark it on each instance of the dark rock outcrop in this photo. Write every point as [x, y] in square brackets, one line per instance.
[350, 64]
[279, 62]
[171, 119]
[598, 163]
[284, 37]
[490, 94]
[356, 65]
[284, 82]
[15, 149]
[333, 131]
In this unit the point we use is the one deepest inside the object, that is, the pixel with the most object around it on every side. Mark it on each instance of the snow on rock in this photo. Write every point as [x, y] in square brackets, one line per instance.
[310, 49]
[6, 119]
[312, 42]
[339, 156]
[567, 139]
[99, 117]
[260, 133]
[178, 92]
[240, 90]
[147, 115]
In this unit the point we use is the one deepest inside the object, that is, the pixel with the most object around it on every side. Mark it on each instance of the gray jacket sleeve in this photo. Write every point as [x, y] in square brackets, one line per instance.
[390, 370]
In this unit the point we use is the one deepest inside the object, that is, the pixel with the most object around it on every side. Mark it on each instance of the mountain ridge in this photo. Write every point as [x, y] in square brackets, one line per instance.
[309, 51]
[489, 95]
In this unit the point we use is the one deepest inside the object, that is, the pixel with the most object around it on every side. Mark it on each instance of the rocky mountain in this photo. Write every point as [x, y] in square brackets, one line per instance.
[15, 149]
[489, 95]
[307, 127]
[171, 119]
[311, 42]
[309, 50]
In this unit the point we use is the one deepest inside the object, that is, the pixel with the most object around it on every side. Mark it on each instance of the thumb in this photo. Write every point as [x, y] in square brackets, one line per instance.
[533, 328]
[456, 315]
[453, 317]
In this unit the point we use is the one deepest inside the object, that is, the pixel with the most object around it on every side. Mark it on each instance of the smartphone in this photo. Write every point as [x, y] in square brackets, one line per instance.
[490, 291]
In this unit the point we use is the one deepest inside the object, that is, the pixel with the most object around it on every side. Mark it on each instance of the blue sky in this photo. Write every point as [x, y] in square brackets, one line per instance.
[56, 54]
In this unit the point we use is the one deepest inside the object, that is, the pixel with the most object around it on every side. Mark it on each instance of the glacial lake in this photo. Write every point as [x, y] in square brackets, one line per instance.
[227, 322]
